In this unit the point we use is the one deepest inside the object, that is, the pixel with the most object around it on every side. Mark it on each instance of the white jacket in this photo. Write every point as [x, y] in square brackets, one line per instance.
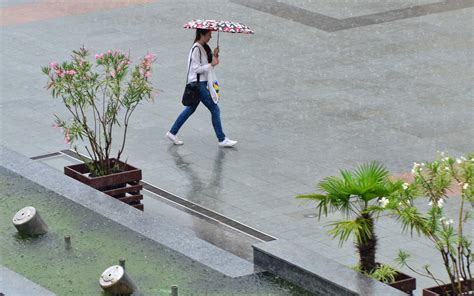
[199, 64]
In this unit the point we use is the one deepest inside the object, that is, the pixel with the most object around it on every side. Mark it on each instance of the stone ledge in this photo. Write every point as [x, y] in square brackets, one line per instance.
[316, 273]
[14, 284]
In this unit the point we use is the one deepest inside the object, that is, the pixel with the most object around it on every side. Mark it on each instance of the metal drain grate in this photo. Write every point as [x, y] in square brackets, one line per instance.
[186, 204]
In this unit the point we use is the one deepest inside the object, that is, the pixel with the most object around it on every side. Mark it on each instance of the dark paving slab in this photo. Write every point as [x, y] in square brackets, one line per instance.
[330, 24]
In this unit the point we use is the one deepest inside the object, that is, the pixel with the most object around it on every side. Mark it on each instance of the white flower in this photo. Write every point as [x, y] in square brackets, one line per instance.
[463, 158]
[445, 159]
[440, 203]
[442, 154]
[458, 160]
[465, 186]
[405, 186]
[383, 202]
[446, 169]
[446, 221]
[415, 167]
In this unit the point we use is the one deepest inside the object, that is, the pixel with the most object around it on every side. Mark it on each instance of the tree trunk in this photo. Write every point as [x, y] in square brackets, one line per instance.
[367, 247]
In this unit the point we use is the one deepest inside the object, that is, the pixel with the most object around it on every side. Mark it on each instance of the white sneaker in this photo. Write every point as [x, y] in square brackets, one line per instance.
[227, 143]
[174, 139]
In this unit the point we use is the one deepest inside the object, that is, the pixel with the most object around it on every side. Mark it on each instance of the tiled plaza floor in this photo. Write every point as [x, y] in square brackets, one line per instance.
[322, 85]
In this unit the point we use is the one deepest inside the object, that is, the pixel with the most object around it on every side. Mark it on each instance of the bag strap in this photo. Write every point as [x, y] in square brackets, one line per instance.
[189, 67]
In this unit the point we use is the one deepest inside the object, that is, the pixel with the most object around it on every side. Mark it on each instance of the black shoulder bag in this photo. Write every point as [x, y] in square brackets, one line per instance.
[191, 95]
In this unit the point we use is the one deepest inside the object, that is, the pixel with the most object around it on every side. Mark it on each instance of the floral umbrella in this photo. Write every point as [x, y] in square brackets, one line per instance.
[219, 26]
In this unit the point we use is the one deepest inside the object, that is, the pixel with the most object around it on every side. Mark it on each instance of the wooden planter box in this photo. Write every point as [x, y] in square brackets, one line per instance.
[124, 185]
[441, 290]
[404, 283]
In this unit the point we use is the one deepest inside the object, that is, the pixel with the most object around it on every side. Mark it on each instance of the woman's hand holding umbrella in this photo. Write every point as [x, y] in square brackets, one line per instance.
[216, 52]
[215, 60]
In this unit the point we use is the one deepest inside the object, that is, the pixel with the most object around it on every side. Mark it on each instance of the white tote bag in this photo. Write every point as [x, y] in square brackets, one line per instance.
[213, 85]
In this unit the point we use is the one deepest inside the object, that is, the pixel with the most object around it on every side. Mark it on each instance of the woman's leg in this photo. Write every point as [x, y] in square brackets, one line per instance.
[206, 99]
[182, 118]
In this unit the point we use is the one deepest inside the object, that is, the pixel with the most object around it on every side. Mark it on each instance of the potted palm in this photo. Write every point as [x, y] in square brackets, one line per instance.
[361, 195]
[100, 98]
[432, 182]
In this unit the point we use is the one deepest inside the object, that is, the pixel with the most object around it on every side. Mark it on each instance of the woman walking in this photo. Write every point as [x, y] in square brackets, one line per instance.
[201, 59]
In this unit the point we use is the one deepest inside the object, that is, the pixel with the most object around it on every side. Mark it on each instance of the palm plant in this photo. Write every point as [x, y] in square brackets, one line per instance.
[360, 195]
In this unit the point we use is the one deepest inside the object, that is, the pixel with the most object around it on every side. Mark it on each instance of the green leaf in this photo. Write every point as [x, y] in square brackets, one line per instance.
[402, 258]
[358, 227]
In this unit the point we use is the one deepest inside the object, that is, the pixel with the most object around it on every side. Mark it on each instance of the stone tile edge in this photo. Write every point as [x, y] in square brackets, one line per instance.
[320, 275]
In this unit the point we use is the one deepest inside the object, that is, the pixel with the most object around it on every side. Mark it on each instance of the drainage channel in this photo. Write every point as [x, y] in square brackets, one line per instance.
[188, 206]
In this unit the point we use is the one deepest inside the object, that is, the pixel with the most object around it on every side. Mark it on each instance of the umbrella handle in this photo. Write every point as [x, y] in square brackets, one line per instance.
[217, 55]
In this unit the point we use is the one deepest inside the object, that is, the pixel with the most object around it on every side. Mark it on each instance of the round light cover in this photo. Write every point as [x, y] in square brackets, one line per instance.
[24, 215]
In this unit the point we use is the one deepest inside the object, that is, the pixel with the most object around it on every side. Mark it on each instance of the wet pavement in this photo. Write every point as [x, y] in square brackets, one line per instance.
[322, 85]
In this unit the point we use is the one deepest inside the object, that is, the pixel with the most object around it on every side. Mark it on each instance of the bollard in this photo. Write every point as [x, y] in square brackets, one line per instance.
[67, 242]
[114, 280]
[122, 262]
[174, 290]
[28, 221]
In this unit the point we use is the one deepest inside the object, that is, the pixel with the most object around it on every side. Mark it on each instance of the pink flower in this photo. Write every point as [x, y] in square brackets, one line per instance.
[147, 74]
[99, 56]
[109, 51]
[55, 125]
[61, 74]
[53, 65]
[71, 72]
[112, 73]
[67, 140]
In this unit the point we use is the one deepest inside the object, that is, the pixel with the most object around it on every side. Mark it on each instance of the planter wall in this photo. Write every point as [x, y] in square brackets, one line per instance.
[404, 283]
[441, 290]
[124, 185]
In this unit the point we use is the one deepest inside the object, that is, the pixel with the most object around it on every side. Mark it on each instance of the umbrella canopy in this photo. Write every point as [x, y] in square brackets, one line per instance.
[219, 26]
[202, 24]
[233, 27]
